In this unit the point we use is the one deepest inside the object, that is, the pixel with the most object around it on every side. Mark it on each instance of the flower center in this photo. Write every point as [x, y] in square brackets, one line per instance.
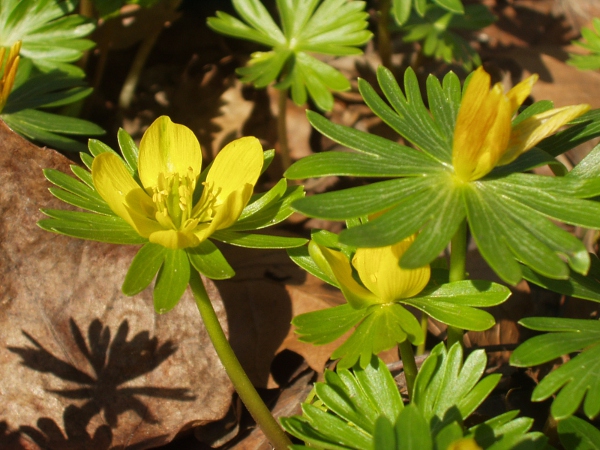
[173, 197]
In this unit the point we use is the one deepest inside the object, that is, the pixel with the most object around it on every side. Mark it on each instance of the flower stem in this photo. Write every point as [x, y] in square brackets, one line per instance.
[383, 34]
[409, 364]
[424, 322]
[238, 377]
[284, 150]
[458, 259]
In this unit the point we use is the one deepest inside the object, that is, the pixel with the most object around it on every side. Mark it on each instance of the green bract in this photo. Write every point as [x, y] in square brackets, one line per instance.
[170, 248]
[507, 211]
[51, 38]
[362, 409]
[331, 27]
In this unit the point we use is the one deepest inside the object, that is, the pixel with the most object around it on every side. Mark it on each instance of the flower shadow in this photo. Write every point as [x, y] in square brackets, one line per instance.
[113, 363]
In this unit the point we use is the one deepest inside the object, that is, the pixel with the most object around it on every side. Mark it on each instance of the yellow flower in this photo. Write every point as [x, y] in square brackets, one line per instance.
[10, 71]
[383, 280]
[162, 209]
[484, 136]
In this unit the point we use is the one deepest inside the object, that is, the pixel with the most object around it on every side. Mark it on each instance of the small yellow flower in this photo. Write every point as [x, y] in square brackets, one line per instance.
[464, 444]
[162, 209]
[484, 136]
[10, 71]
[383, 280]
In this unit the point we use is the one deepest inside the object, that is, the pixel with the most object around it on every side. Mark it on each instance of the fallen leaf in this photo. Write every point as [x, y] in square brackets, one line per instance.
[84, 366]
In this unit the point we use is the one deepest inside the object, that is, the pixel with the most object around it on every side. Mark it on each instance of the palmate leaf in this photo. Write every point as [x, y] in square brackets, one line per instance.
[333, 27]
[577, 380]
[362, 409]
[590, 61]
[402, 8]
[577, 434]
[51, 38]
[510, 214]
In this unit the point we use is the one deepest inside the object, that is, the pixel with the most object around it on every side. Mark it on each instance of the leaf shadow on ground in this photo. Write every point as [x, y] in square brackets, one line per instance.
[113, 362]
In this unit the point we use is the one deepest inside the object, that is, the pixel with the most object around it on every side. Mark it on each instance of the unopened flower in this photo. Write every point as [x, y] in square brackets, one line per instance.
[162, 209]
[484, 136]
[10, 71]
[383, 280]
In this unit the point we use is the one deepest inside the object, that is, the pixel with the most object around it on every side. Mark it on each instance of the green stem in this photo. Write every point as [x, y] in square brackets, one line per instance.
[424, 322]
[409, 364]
[238, 377]
[458, 260]
[383, 34]
[284, 150]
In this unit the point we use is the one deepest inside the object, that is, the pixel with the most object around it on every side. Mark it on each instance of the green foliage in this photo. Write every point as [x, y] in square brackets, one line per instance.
[51, 38]
[507, 211]
[439, 32]
[362, 409]
[402, 8]
[171, 268]
[331, 27]
[590, 61]
[577, 434]
[576, 379]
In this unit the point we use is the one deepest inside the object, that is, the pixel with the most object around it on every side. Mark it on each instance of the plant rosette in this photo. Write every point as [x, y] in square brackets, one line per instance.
[159, 197]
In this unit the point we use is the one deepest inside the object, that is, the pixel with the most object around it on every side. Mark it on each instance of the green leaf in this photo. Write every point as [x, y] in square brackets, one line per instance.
[577, 434]
[93, 227]
[209, 261]
[575, 379]
[128, 149]
[446, 387]
[401, 10]
[270, 211]
[577, 285]
[412, 430]
[257, 240]
[453, 303]
[143, 268]
[172, 280]
[50, 37]
[326, 325]
[451, 5]
[380, 330]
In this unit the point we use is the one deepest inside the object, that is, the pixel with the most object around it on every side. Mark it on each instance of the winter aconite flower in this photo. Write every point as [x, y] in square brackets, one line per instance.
[484, 136]
[10, 71]
[158, 196]
[383, 280]
[378, 291]
[163, 209]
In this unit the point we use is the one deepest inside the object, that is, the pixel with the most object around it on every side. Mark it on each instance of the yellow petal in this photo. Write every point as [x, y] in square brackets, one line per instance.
[380, 272]
[519, 93]
[167, 148]
[526, 134]
[357, 296]
[123, 195]
[174, 239]
[482, 128]
[236, 166]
